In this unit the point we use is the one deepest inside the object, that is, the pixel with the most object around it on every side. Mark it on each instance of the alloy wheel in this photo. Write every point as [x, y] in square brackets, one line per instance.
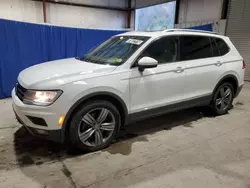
[223, 98]
[96, 127]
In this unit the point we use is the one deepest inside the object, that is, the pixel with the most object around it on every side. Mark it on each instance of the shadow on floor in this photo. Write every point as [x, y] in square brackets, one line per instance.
[30, 150]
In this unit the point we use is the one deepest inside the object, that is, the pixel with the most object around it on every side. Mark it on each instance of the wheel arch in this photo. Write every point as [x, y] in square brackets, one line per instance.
[228, 78]
[108, 96]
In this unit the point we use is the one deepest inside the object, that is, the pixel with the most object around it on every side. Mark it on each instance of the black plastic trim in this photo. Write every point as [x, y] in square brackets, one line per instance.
[53, 135]
[224, 78]
[37, 121]
[238, 91]
[201, 101]
[20, 91]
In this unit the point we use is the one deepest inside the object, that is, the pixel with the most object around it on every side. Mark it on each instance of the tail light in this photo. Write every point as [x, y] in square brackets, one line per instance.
[243, 65]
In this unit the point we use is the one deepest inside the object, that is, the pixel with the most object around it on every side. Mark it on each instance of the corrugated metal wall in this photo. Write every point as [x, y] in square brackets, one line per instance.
[238, 29]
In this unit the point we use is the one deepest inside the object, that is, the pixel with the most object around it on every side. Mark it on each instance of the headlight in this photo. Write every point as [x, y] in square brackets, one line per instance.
[41, 98]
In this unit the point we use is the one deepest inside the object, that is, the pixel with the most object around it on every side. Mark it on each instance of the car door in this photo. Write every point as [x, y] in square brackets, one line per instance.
[203, 65]
[160, 86]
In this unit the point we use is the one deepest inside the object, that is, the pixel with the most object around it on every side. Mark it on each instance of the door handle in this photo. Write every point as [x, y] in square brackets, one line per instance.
[179, 70]
[218, 64]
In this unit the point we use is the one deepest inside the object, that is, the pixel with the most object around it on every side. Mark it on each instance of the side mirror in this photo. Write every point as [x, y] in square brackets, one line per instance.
[147, 62]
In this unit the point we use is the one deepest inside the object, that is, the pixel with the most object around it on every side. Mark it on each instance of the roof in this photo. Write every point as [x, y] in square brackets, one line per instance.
[171, 31]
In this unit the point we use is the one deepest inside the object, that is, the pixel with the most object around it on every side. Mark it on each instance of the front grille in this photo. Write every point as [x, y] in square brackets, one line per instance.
[20, 91]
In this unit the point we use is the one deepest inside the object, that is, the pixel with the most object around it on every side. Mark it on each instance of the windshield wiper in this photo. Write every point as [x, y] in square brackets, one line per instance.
[85, 59]
[88, 60]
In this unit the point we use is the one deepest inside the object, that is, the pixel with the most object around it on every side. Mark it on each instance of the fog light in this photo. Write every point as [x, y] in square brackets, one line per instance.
[60, 120]
[44, 132]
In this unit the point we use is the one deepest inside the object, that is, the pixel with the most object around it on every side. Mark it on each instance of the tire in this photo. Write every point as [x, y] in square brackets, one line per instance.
[86, 123]
[222, 101]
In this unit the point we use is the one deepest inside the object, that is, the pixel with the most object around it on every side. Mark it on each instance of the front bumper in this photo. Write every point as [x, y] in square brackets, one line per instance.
[53, 135]
[48, 131]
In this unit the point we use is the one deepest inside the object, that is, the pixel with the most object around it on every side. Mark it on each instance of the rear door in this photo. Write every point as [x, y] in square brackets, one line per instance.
[204, 65]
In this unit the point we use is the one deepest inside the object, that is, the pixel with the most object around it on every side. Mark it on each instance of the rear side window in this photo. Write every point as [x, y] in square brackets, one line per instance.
[195, 47]
[215, 48]
[222, 46]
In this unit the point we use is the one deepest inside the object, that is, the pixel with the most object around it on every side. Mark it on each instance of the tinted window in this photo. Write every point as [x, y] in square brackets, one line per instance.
[223, 48]
[195, 47]
[215, 49]
[164, 50]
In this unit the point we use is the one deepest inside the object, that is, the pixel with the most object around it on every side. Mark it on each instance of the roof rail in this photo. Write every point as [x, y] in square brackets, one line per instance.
[189, 30]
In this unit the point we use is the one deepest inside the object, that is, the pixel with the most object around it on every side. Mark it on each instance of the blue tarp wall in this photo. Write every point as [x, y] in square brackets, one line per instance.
[207, 27]
[24, 44]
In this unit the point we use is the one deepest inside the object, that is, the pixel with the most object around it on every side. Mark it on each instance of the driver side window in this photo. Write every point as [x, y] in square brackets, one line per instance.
[164, 50]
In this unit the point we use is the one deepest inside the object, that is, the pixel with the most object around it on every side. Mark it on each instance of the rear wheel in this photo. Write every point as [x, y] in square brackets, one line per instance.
[95, 126]
[223, 99]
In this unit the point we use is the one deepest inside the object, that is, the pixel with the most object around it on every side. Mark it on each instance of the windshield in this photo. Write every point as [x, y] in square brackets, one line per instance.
[115, 51]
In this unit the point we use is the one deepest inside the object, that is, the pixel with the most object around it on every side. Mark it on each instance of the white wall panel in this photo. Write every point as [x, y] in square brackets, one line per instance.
[21, 10]
[85, 17]
[196, 10]
[65, 15]
[114, 3]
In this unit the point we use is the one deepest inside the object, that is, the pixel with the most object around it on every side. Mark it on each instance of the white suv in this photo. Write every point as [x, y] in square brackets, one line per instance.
[129, 77]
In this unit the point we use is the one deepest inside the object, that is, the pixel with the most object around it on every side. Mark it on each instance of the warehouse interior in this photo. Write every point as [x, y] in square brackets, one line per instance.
[190, 148]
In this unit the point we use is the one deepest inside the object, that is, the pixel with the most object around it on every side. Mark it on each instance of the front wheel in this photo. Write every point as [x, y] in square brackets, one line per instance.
[95, 126]
[223, 99]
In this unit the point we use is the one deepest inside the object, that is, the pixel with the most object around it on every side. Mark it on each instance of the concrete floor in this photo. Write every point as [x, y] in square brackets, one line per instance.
[184, 149]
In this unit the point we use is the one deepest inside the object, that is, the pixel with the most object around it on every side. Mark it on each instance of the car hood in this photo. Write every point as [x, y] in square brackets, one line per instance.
[54, 73]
